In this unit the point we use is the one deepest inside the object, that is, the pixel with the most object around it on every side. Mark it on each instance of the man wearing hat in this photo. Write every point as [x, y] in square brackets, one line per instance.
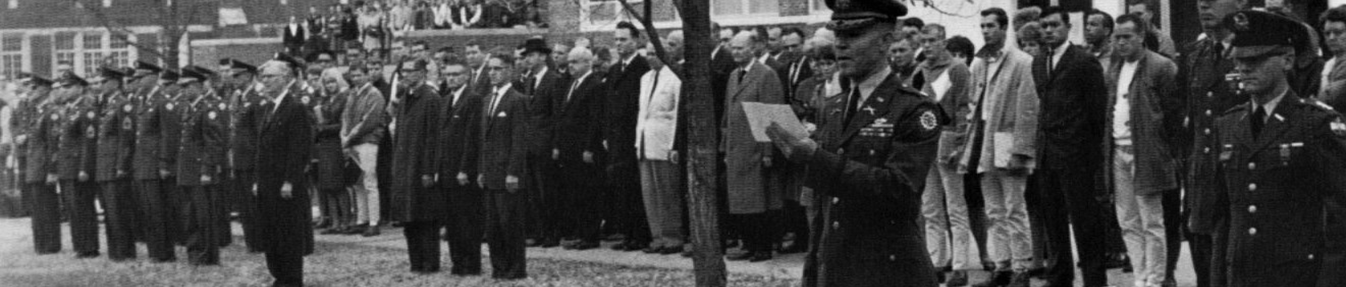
[544, 84]
[114, 143]
[869, 160]
[245, 102]
[1267, 147]
[416, 201]
[170, 133]
[200, 165]
[283, 207]
[38, 147]
[75, 163]
[157, 203]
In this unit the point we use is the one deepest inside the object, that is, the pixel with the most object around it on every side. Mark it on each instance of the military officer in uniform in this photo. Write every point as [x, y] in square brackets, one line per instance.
[39, 148]
[75, 163]
[156, 202]
[1280, 157]
[200, 163]
[114, 142]
[244, 100]
[170, 132]
[875, 144]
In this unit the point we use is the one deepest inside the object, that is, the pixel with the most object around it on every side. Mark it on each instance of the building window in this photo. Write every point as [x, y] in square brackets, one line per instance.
[107, 3]
[11, 55]
[744, 7]
[87, 51]
[13, 4]
[65, 51]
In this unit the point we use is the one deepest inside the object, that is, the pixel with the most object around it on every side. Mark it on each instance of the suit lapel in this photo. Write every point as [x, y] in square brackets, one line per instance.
[874, 107]
[748, 80]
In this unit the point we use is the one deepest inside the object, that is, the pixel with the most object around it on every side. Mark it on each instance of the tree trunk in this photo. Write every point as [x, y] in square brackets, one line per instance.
[698, 107]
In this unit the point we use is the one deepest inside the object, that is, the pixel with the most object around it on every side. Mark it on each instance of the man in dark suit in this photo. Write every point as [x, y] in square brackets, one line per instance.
[422, 208]
[480, 82]
[1073, 97]
[576, 146]
[75, 164]
[200, 167]
[459, 132]
[620, 106]
[112, 172]
[501, 163]
[287, 132]
[867, 164]
[545, 85]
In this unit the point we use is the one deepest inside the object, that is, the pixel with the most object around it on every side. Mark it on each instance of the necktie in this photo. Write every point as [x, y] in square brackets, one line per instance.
[852, 102]
[1051, 61]
[741, 74]
[573, 86]
[495, 100]
[1258, 119]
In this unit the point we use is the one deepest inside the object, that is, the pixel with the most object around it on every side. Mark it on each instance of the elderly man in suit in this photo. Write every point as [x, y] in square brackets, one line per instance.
[1001, 147]
[1143, 99]
[1072, 91]
[620, 106]
[459, 130]
[503, 154]
[578, 148]
[287, 130]
[752, 188]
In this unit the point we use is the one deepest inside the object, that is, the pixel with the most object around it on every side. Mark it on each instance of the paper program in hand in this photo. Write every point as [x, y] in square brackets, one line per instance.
[760, 116]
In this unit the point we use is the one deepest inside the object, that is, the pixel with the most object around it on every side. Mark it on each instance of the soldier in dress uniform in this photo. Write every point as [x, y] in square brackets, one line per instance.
[75, 163]
[170, 132]
[1267, 148]
[868, 162]
[200, 164]
[244, 101]
[157, 203]
[114, 143]
[39, 146]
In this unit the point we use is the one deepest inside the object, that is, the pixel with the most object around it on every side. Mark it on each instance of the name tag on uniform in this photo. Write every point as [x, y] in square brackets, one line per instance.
[1227, 152]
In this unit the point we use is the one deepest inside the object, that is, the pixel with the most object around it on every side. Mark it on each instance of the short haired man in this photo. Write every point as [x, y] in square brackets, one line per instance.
[948, 232]
[287, 132]
[200, 164]
[1333, 93]
[1157, 39]
[752, 172]
[502, 166]
[620, 109]
[415, 201]
[74, 163]
[657, 146]
[544, 85]
[1098, 29]
[459, 131]
[116, 138]
[577, 144]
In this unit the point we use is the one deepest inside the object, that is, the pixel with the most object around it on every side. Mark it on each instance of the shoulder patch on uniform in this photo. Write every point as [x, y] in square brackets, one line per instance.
[211, 115]
[222, 106]
[928, 120]
[169, 106]
[89, 114]
[1338, 127]
[127, 108]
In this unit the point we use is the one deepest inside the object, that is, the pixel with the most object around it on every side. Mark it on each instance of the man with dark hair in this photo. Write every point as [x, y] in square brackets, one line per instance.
[502, 166]
[459, 133]
[1069, 82]
[287, 132]
[544, 85]
[870, 200]
[1098, 26]
[1203, 65]
[39, 149]
[1157, 39]
[1333, 93]
[115, 138]
[619, 123]
[912, 25]
[245, 103]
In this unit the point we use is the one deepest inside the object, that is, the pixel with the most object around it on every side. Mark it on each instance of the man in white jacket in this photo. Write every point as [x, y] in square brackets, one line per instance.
[656, 133]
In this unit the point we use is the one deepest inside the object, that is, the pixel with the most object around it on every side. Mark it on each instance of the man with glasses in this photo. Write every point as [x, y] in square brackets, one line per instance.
[579, 151]
[115, 141]
[502, 166]
[287, 132]
[459, 132]
[416, 202]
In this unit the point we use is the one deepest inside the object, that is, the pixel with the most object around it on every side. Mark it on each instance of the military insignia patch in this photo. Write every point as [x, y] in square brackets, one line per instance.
[90, 132]
[127, 108]
[169, 106]
[928, 120]
[126, 124]
[89, 115]
[501, 114]
[305, 99]
[55, 117]
[222, 106]
[211, 115]
[1338, 127]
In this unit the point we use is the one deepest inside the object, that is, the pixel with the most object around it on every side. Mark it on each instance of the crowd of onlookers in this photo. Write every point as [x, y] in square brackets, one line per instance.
[373, 24]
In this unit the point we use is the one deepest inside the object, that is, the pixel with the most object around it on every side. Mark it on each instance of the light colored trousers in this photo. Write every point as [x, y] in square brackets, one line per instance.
[367, 191]
[948, 236]
[661, 183]
[1009, 235]
[1141, 218]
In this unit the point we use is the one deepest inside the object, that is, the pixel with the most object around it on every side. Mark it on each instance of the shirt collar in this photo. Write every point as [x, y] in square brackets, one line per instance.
[991, 53]
[627, 61]
[764, 58]
[871, 83]
[1061, 50]
[1270, 107]
[501, 90]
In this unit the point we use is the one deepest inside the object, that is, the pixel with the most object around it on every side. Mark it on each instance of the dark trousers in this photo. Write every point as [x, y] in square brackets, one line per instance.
[467, 219]
[285, 234]
[80, 198]
[175, 202]
[976, 215]
[1201, 257]
[794, 220]
[505, 230]
[119, 215]
[246, 204]
[627, 208]
[545, 208]
[45, 205]
[757, 230]
[1173, 223]
[423, 244]
[159, 218]
[1068, 204]
[581, 184]
[202, 212]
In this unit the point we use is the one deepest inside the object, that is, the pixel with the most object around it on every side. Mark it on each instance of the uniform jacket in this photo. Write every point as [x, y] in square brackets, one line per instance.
[78, 141]
[1154, 103]
[657, 121]
[1012, 96]
[545, 98]
[1275, 215]
[43, 137]
[620, 107]
[415, 154]
[574, 131]
[148, 109]
[1071, 99]
[868, 175]
[1202, 76]
[749, 184]
[460, 134]
[170, 121]
[504, 138]
[245, 106]
[116, 138]
[202, 149]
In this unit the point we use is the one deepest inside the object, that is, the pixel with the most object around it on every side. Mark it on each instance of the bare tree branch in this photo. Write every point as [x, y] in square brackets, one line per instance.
[115, 29]
[647, 21]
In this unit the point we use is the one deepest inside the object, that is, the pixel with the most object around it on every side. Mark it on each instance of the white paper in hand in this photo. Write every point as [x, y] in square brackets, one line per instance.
[760, 116]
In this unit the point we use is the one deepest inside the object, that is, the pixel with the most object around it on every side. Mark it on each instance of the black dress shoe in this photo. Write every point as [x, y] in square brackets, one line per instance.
[793, 248]
[358, 229]
[531, 243]
[549, 243]
[322, 224]
[585, 245]
[651, 250]
[371, 231]
[998, 278]
[957, 278]
[620, 246]
[331, 231]
[670, 250]
[87, 254]
[739, 257]
[760, 256]
[635, 246]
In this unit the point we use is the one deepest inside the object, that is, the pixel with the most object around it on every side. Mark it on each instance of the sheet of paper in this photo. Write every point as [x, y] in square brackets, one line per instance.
[760, 116]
